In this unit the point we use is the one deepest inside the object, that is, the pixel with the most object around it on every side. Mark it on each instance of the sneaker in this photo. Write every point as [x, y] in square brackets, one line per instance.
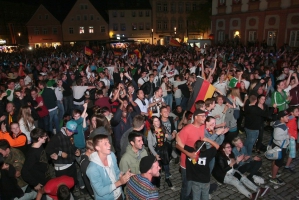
[276, 181]
[168, 182]
[255, 196]
[264, 191]
[258, 179]
[277, 175]
[289, 170]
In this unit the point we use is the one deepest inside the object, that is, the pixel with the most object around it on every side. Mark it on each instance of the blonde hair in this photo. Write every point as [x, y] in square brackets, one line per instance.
[25, 114]
[235, 92]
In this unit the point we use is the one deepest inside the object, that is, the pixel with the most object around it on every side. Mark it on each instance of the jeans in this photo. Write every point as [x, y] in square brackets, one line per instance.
[259, 142]
[60, 110]
[178, 101]
[184, 103]
[43, 123]
[168, 100]
[212, 164]
[53, 119]
[166, 170]
[231, 180]
[68, 104]
[251, 136]
[186, 185]
[200, 190]
[78, 107]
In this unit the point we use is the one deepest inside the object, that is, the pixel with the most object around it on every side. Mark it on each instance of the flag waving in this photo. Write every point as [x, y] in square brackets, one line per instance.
[174, 43]
[138, 54]
[88, 51]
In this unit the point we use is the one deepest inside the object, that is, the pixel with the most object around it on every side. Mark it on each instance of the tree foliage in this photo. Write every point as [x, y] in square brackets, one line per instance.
[200, 19]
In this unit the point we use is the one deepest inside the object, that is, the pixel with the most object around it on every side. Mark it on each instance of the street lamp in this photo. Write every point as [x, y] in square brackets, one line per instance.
[19, 34]
[152, 36]
[174, 31]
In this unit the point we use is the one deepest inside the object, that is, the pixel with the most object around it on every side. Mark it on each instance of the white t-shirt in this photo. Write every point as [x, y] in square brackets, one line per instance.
[78, 92]
[222, 87]
[143, 108]
[141, 81]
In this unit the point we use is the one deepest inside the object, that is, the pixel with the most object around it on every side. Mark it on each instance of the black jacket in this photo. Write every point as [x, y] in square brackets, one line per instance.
[146, 87]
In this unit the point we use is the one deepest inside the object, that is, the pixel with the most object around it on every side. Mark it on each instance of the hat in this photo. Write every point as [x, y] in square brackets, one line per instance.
[71, 126]
[198, 112]
[282, 114]
[146, 163]
[11, 76]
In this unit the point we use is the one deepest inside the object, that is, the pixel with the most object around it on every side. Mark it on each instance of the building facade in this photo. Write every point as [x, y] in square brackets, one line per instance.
[170, 19]
[274, 21]
[85, 24]
[44, 30]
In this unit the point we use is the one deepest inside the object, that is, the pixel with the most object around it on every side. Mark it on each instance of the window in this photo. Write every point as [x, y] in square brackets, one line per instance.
[133, 14]
[36, 31]
[122, 27]
[294, 38]
[147, 26]
[172, 7]
[173, 24]
[91, 17]
[159, 25]
[194, 6]
[39, 17]
[147, 13]
[71, 30]
[82, 7]
[159, 7]
[78, 17]
[54, 30]
[140, 13]
[45, 31]
[252, 36]
[114, 14]
[180, 7]
[81, 29]
[46, 16]
[85, 17]
[122, 14]
[165, 7]
[221, 2]
[220, 36]
[165, 25]
[271, 38]
[187, 7]
[180, 24]
[141, 26]
[103, 29]
[134, 26]
[115, 27]
[90, 29]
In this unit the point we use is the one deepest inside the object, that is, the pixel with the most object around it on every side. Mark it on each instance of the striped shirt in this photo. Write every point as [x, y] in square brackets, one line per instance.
[139, 187]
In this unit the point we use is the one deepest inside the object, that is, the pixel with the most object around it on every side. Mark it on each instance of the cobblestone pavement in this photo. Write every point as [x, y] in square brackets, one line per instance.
[288, 191]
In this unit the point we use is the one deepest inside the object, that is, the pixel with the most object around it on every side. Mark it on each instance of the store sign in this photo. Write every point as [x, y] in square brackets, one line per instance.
[2, 41]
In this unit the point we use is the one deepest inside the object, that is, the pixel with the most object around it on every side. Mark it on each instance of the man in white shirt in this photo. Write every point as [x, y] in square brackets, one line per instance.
[104, 79]
[221, 85]
[78, 94]
[142, 79]
[156, 102]
[142, 103]
[172, 72]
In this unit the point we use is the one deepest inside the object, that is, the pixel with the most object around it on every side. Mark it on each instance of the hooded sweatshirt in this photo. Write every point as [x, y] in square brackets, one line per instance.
[130, 160]
[280, 134]
[102, 178]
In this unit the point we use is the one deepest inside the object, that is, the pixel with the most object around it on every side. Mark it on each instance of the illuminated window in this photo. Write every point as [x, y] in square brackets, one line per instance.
[91, 29]
[271, 38]
[81, 29]
[294, 38]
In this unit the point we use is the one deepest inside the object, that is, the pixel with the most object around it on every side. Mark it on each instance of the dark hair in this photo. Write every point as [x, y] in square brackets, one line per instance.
[138, 121]
[209, 101]
[97, 138]
[43, 83]
[1, 160]
[63, 193]
[37, 133]
[163, 107]
[222, 146]
[252, 98]
[4, 144]
[199, 104]
[77, 111]
[208, 118]
[152, 125]
[198, 144]
[292, 109]
[133, 135]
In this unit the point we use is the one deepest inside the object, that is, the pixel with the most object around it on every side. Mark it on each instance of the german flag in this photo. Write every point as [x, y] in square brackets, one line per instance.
[88, 51]
[137, 52]
[174, 43]
[201, 91]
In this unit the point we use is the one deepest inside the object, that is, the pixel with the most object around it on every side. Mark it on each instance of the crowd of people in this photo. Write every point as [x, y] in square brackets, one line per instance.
[111, 124]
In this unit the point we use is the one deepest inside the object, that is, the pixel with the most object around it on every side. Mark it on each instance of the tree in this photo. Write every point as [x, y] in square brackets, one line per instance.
[200, 19]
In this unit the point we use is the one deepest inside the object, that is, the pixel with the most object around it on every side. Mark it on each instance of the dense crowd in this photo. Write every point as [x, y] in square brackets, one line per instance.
[111, 122]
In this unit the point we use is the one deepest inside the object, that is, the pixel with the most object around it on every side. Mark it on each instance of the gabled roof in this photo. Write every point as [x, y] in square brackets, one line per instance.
[59, 8]
[129, 5]
[101, 6]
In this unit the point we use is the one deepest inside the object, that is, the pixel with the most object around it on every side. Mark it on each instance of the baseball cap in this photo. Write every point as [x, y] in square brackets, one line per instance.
[146, 163]
[71, 126]
[282, 114]
[198, 112]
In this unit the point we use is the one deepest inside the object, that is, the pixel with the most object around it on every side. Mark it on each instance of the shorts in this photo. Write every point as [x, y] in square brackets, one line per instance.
[292, 148]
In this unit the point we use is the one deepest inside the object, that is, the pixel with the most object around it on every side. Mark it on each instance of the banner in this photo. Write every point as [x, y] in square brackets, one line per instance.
[174, 43]
[201, 91]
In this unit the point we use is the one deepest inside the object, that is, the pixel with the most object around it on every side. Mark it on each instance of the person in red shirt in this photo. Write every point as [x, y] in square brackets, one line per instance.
[57, 188]
[102, 101]
[293, 133]
[188, 136]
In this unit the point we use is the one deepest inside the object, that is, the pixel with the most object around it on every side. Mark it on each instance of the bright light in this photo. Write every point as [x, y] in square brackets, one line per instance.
[152, 30]
[117, 37]
[30, 48]
[19, 34]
